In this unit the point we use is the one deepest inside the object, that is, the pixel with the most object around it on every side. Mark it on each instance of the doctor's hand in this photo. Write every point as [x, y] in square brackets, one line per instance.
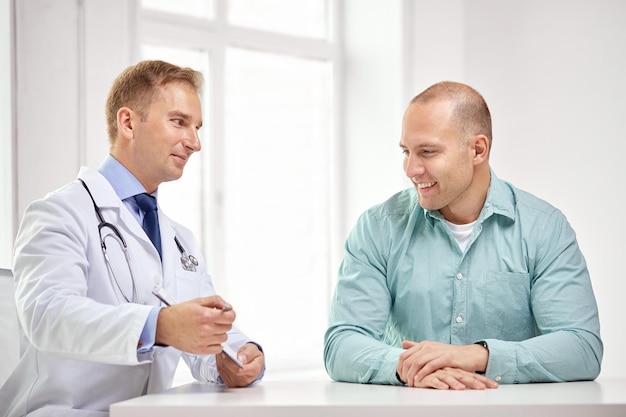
[196, 326]
[253, 362]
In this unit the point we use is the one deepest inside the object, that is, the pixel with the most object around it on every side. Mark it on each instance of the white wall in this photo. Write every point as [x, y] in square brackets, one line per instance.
[373, 85]
[6, 125]
[47, 113]
[552, 73]
[61, 68]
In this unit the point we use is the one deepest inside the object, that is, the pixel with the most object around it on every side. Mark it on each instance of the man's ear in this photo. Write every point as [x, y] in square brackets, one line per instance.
[481, 148]
[125, 121]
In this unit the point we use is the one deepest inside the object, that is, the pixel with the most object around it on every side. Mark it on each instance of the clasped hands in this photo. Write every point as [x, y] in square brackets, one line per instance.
[443, 366]
[200, 326]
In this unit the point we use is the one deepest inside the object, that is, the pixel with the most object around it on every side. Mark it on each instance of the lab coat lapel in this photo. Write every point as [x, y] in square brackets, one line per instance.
[144, 258]
[114, 210]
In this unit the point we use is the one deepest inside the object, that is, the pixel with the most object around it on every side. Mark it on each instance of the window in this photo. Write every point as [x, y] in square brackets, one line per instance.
[197, 8]
[306, 18]
[259, 194]
[276, 197]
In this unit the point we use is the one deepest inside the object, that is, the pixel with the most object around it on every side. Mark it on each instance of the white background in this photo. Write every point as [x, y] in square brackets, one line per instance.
[552, 72]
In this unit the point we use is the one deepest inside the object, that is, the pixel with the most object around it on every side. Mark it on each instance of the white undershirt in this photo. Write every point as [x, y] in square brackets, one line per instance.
[461, 233]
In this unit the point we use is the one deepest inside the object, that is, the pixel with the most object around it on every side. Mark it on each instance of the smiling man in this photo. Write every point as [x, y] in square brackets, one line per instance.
[111, 293]
[462, 281]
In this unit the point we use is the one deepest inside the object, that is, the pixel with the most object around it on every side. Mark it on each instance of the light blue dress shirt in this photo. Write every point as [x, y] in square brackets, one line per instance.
[522, 285]
[126, 186]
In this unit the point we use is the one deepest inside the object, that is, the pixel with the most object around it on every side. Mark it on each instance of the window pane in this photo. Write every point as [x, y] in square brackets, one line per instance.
[306, 18]
[276, 201]
[195, 8]
[183, 199]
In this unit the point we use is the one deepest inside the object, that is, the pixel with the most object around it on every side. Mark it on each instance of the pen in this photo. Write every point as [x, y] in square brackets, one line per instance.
[162, 295]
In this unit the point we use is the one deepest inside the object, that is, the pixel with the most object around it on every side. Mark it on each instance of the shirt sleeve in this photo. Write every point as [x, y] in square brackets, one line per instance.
[354, 350]
[568, 347]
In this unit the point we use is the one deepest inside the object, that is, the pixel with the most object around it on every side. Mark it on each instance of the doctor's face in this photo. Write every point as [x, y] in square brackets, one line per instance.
[165, 139]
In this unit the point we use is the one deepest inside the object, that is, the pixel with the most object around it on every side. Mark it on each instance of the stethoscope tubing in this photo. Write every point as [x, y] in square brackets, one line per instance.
[188, 262]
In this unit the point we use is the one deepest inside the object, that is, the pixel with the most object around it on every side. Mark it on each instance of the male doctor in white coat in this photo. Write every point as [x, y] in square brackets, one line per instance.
[98, 331]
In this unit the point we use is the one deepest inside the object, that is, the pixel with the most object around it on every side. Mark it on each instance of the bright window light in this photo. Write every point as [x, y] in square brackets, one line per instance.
[276, 199]
[194, 8]
[307, 18]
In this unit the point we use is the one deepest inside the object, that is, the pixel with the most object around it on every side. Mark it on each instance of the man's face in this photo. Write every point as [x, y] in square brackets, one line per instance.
[437, 159]
[168, 135]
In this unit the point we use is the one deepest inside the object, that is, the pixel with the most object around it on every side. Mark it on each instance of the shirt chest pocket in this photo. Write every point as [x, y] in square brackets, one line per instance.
[507, 304]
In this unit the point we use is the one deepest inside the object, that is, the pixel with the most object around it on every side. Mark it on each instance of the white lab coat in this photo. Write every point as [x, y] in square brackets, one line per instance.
[79, 336]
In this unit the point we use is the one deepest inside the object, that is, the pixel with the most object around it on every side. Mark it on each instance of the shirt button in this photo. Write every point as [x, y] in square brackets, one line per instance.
[459, 319]
[459, 276]
[498, 378]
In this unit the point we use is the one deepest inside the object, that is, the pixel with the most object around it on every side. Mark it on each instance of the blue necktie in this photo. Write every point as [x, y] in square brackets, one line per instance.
[150, 219]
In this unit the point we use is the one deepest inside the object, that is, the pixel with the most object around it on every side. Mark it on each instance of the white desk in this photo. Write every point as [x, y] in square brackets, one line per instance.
[604, 398]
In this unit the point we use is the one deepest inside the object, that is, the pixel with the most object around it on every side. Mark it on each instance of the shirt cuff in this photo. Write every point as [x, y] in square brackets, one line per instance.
[148, 334]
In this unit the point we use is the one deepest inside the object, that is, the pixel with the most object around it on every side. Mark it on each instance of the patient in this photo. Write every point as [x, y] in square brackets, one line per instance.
[463, 280]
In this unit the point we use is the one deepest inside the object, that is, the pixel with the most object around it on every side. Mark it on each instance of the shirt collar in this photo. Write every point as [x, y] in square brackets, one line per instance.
[499, 201]
[123, 182]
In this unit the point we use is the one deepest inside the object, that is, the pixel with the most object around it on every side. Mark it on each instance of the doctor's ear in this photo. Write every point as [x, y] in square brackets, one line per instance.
[125, 119]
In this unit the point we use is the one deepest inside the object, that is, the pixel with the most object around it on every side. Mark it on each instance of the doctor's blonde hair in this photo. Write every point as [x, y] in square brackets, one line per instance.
[139, 85]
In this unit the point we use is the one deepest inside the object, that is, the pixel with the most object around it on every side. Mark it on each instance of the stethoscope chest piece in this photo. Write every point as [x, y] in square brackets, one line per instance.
[189, 262]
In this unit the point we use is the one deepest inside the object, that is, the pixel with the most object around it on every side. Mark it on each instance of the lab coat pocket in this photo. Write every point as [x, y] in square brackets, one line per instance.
[189, 285]
[507, 304]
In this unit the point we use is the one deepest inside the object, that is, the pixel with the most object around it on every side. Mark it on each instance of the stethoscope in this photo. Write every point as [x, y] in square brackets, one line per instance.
[188, 262]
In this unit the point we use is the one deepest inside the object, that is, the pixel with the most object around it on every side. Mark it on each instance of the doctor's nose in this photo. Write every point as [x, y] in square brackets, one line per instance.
[192, 140]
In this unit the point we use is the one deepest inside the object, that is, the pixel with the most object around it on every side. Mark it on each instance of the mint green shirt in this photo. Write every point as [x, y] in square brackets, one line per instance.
[522, 285]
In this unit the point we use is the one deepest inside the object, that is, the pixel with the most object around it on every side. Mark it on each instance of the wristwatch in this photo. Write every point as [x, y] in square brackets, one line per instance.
[399, 379]
[483, 344]
[486, 346]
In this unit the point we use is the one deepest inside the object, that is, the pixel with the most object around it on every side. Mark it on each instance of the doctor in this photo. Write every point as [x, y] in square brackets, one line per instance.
[96, 321]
